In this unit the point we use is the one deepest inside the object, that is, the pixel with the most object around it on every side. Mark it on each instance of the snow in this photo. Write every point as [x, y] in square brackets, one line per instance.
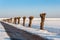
[52, 28]
[51, 31]
[3, 18]
[51, 24]
[3, 34]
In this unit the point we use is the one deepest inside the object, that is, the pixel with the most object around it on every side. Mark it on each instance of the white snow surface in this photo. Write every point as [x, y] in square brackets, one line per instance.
[50, 24]
[52, 27]
[3, 34]
[3, 18]
[51, 32]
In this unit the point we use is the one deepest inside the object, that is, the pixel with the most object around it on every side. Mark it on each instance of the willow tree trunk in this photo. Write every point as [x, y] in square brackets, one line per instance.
[30, 20]
[14, 20]
[42, 20]
[24, 18]
[18, 20]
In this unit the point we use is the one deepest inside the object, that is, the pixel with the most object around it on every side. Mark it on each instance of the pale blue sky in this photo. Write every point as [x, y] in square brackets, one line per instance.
[12, 8]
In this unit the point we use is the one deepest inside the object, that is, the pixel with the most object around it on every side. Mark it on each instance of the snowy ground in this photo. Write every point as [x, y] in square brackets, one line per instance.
[51, 24]
[17, 32]
[52, 28]
[3, 34]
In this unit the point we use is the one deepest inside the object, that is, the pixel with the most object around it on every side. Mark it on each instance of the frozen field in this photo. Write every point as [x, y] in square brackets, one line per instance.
[52, 27]
[51, 24]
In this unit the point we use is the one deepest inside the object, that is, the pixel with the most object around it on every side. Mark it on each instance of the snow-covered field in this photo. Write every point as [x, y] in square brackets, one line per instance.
[51, 24]
[3, 18]
[3, 34]
[52, 27]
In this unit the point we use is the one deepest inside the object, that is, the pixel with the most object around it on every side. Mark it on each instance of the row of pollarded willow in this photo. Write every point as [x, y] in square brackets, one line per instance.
[24, 18]
[17, 18]
[30, 20]
[8, 20]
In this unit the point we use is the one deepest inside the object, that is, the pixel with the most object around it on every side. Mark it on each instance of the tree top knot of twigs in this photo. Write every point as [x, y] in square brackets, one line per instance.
[31, 17]
[42, 14]
[24, 17]
[17, 17]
